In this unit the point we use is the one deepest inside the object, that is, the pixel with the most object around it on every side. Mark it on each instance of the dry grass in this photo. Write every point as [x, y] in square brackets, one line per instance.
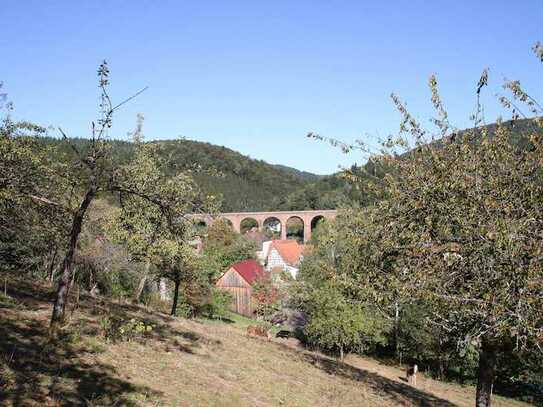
[185, 363]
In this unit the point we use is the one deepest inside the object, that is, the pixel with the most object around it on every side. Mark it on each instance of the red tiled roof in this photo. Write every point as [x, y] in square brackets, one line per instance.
[289, 250]
[250, 270]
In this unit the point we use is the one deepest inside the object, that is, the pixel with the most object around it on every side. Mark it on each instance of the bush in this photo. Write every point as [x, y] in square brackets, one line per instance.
[268, 299]
[119, 330]
[339, 325]
[218, 305]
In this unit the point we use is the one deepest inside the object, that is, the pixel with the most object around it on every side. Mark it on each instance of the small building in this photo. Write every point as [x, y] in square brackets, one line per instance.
[285, 255]
[238, 281]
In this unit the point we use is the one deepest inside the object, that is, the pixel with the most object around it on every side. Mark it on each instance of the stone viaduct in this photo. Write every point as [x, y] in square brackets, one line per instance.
[309, 219]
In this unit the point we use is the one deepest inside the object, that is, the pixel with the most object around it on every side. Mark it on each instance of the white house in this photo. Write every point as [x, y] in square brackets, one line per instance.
[283, 254]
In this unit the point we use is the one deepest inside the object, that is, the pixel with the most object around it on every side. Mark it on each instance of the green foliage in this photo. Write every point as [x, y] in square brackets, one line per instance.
[140, 224]
[119, 330]
[459, 219]
[6, 301]
[32, 222]
[337, 324]
[224, 247]
[456, 228]
[217, 306]
[432, 348]
[244, 184]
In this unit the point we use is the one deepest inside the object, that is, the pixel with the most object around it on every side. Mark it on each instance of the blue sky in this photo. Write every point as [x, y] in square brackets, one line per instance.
[256, 76]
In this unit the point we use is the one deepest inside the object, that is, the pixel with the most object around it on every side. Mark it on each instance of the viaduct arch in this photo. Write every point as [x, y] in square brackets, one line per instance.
[309, 219]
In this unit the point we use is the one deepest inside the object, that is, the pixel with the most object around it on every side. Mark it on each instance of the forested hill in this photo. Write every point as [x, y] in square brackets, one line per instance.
[245, 184]
[332, 191]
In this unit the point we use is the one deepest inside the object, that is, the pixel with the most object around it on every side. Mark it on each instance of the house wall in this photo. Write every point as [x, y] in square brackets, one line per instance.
[275, 260]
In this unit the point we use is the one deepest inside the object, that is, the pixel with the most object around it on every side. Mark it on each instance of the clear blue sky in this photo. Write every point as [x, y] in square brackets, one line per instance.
[256, 76]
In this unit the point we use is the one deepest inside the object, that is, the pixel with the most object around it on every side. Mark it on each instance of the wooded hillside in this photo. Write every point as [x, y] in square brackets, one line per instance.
[247, 184]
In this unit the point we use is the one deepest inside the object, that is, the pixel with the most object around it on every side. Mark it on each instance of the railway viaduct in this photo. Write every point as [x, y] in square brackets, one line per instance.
[309, 219]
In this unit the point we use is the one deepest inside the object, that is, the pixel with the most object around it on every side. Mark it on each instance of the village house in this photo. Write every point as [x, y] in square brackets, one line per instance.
[284, 255]
[238, 280]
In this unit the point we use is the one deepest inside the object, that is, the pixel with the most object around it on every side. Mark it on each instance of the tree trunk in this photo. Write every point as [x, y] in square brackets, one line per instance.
[397, 331]
[162, 289]
[64, 283]
[175, 297]
[485, 375]
[341, 353]
[441, 368]
[51, 273]
[141, 284]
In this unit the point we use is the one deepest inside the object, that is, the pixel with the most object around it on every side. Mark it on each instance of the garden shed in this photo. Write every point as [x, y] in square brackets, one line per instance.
[238, 281]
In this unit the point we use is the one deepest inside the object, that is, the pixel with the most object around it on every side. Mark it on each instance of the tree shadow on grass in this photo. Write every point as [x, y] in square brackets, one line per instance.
[162, 331]
[403, 394]
[27, 295]
[34, 371]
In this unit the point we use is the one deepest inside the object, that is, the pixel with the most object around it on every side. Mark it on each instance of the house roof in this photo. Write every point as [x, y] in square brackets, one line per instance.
[289, 250]
[250, 270]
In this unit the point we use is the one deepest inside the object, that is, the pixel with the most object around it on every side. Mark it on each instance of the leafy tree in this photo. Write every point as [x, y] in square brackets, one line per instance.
[94, 172]
[147, 234]
[329, 290]
[32, 220]
[223, 247]
[459, 224]
[336, 323]
[101, 265]
[176, 260]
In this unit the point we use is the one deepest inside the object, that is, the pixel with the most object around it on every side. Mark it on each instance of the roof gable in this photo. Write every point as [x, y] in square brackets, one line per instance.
[250, 270]
[289, 250]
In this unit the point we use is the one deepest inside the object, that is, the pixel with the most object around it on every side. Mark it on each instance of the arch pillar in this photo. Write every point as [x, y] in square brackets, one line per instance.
[307, 230]
[283, 231]
[283, 222]
[236, 223]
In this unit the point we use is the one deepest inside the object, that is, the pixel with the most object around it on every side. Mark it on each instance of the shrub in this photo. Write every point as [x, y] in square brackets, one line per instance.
[267, 298]
[218, 305]
[119, 330]
[339, 325]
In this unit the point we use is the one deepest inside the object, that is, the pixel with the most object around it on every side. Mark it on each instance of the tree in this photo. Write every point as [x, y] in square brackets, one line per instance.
[330, 291]
[267, 297]
[32, 221]
[337, 323]
[94, 172]
[460, 223]
[176, 261]
[223, 247]
[148, 235]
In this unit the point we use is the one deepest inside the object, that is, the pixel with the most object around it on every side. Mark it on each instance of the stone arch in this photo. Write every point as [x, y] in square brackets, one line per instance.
[316, 220]
[247, 224]
[200, 225]
[295, 228]
[272, 227]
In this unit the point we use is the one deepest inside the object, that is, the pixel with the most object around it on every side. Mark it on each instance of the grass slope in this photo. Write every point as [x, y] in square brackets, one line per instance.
[183, 363]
